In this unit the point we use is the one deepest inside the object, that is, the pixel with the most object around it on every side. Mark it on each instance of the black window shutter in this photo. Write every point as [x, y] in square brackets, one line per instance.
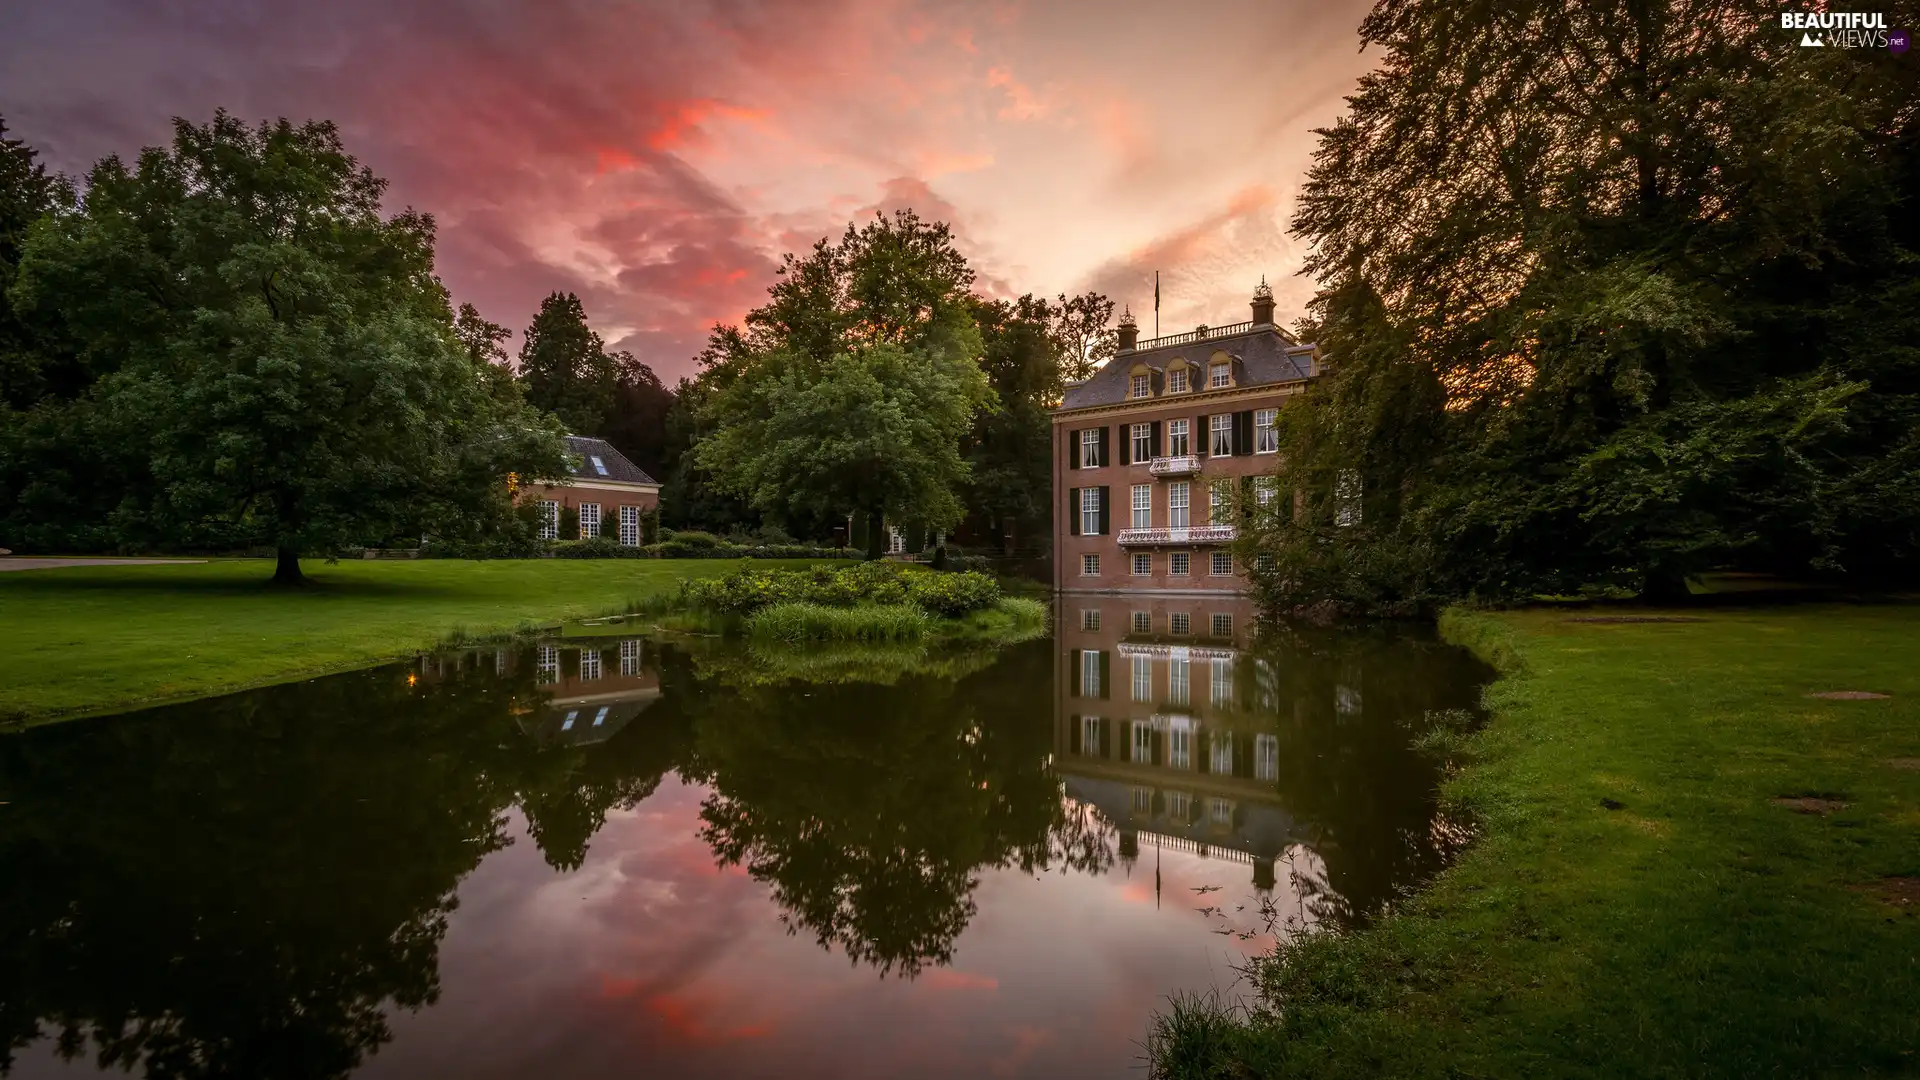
[1157, 452]
[1243, 432]
[1246, 498]
[1105, 521]
[1203, 439]
[1106, 675]
[1079, 679]
[1126, 443]
[1104, 459]
[1073, 449]
[1073, 511]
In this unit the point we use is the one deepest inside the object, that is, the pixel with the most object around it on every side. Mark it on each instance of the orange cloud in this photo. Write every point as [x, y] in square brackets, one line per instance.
[682, 123]
[682, 1018]
[1022, 102]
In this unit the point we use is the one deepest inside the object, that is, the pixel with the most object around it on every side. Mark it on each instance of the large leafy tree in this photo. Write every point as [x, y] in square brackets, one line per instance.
[1010, 449]
[1616, 293]
[276, 362]
[566, 367]
[852, 389]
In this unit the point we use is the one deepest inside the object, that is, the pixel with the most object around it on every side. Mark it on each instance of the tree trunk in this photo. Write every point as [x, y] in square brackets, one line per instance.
[286, 569]
[876, 534]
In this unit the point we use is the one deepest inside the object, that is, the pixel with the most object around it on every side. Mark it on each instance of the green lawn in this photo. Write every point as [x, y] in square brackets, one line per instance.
[89, 639]
[1641, 904]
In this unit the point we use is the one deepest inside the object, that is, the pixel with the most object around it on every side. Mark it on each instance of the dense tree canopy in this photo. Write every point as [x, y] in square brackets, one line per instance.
[269, 357]
[1615, 293]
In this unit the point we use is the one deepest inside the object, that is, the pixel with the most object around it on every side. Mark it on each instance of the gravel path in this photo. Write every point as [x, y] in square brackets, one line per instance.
[25, 563]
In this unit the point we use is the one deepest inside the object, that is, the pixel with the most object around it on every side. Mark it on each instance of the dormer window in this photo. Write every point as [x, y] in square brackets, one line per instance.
[1142, 386]
[1222, 377]
[1177, 381]
[599, 466]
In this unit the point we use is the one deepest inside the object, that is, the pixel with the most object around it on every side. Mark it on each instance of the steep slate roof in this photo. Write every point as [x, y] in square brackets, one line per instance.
[582, 449]
[1265, 358]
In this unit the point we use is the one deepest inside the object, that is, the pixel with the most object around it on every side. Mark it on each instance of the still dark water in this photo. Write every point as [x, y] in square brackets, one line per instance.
[671, 856]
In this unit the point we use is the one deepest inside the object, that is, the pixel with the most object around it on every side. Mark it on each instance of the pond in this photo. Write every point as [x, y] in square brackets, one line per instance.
[669, 855]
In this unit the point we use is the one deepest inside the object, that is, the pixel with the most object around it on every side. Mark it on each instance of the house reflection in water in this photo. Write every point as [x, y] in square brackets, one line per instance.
[1166, 724]
[584, 693]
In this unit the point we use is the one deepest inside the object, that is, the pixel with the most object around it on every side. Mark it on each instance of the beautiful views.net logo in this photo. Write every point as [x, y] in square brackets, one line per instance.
[1844, 30]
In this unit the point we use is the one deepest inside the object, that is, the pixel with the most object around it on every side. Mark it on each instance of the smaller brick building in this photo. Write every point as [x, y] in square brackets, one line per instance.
[1148, 453]
[608, 492]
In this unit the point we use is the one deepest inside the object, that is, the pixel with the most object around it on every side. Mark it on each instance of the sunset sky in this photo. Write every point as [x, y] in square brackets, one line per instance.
[658, 156]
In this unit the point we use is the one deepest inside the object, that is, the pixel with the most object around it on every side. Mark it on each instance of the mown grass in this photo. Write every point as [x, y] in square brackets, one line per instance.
[1638, 904]
[92, 639]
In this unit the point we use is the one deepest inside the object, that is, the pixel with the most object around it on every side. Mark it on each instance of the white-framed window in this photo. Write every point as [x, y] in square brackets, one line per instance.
[1142, 386]
[1266, 757]
[1090, 449]
[1265, 488]
[1177, 381]
[1089, 511]
[630, 658]
[1346, 497]
[589, 664]
[589, 520]
[1141, 800]
[1142, 436]
[1178, 494]
[1179, 622]
[1180, 563]
[896, 541]
[1143, 506]
[1143, 622]
[1143, 742]
[1090, 564]
[601, 716]
[629, 526]
[1222, 565]
[1222, 681]
[1179, 680]
[1266, 431]
[599, 466]
[549, 520]
[1220, 755]
[1179, 806]
[1090, 673]
[1219, 501]
[1089, 618]
[1222, 624]
[1220, 377]
[1090, 736]
[567, 724]
[1142, 567]
[1177, 439]
[1180, 746]
[1220, 434]
[1220, 811]
[1142, 678]
[546, 664]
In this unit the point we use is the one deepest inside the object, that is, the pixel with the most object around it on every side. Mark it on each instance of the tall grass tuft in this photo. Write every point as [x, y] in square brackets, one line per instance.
[796, 622]
[1199, 1037]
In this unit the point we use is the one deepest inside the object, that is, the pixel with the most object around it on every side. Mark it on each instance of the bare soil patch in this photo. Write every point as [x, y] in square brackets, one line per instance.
[1849, 695]
[1811, 804]
[1900, 891]
[1911, 764]
[1635, 618]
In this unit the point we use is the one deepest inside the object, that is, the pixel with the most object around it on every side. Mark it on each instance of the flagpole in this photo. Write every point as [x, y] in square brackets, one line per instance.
[1156, 303]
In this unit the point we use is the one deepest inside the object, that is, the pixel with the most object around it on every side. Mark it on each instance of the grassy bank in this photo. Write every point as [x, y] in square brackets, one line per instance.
[1688, 867]
[97, 638]
[1007, 620]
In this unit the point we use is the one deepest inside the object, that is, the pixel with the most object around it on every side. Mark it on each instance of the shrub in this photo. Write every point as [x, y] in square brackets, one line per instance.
[952, 595]
[747, 589]
[690, 538]
[796, 622]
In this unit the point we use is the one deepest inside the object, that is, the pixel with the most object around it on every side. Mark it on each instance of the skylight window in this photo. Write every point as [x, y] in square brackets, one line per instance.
[598, 465]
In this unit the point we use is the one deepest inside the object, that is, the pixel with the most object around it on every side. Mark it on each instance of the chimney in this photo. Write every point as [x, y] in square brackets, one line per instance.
[1263, 304]
[1129, 330]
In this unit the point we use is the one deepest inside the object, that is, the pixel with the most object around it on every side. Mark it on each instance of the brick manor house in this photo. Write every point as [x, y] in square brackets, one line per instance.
[1147, 451]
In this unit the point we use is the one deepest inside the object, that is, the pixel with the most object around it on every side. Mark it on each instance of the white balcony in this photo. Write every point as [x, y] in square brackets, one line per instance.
[1198, 534]
[1184, 465]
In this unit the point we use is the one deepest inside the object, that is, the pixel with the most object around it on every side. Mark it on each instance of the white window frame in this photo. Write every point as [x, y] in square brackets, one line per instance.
[546, 664]
[1089, 511]
[1179, 746]
[567, 724]
[1266, 431]
[1089, 736]
[629, 526]
[589, 520]
[1090, 448]
[1179, 623]
[1179, 680]
[1179, 564]
[630, 657]
[896, 541]
[1090, 564]
[1143, 506]
[1143, 622]
[1142, 564]
[1220, 376]
[601, 716]
[1142, 443]
[1265, 488]
[1220, 435]
[1177, 439]
[1179, 494]
[1142, 678]
[1266, 757]
[1179, 806]
[590, 666]
[1221, 563]
[1177, 381]
[1142, 742]
[1141, 799]
[1220, 753]
[1090, 673]
[1220, 811]
[599, 466]
[549, 519]
[1140, 386]
[1221, 624]
[1089, 618]
[1222, 682]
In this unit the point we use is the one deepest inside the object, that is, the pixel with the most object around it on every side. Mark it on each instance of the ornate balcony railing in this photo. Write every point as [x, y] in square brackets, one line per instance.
[1197, 534]
[1204, 333]
[1184, 465]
